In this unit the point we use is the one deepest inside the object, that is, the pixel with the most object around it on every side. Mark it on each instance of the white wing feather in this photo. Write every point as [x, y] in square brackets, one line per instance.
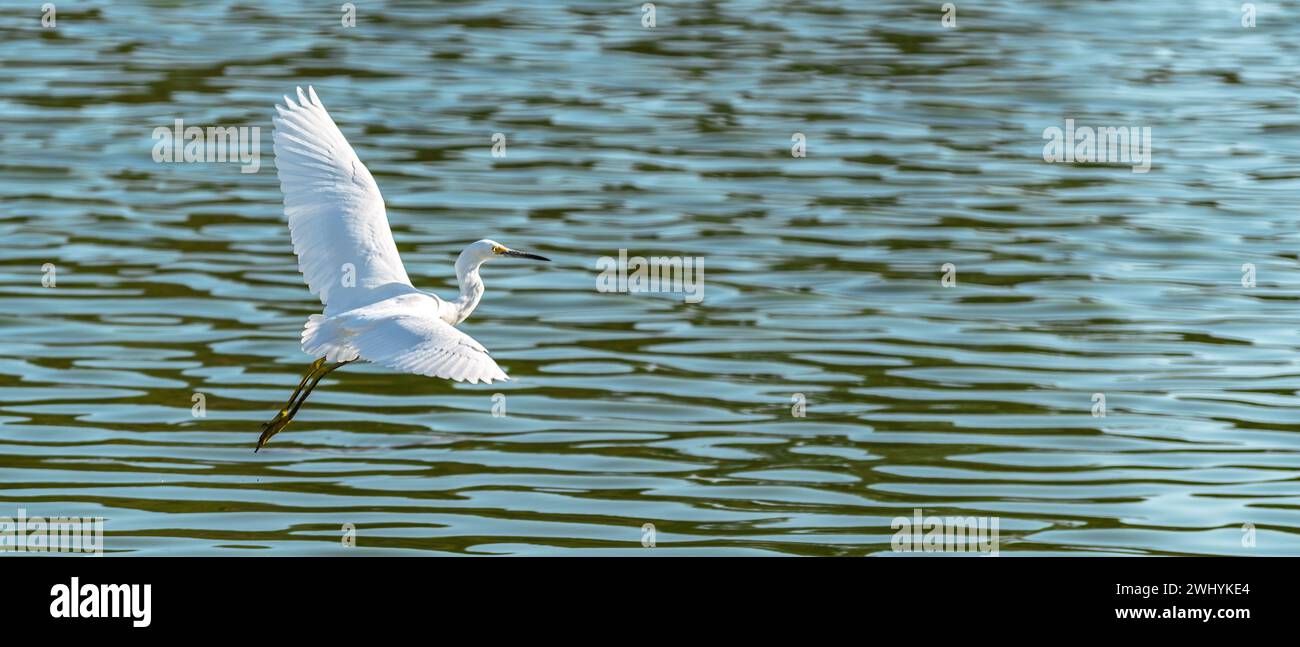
[401, 334]
[336, 214]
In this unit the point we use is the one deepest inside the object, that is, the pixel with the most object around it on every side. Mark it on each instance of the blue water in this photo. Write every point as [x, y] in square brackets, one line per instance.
[823, 278]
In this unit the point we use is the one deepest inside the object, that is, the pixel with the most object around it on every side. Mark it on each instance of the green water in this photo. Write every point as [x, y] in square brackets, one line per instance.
[823, 278]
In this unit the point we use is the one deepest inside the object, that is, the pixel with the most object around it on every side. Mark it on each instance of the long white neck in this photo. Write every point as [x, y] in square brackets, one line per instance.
[471, 289]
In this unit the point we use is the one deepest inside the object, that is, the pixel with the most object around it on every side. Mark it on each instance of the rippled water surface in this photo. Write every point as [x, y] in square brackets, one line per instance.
[822, 278]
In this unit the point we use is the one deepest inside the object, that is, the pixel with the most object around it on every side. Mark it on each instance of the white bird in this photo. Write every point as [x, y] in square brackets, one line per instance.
[347, 255]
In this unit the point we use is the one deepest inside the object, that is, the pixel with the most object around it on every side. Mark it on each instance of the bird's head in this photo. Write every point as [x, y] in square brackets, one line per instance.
[485, 250]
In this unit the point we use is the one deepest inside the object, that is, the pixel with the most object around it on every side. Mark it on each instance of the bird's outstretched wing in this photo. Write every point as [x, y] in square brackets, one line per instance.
[404, 338]
[336, 215]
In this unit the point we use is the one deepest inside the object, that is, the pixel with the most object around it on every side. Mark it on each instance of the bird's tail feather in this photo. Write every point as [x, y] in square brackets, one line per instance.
[324, 337]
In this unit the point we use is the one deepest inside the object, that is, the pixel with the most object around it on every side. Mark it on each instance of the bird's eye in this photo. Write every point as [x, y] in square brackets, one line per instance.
[497, 249]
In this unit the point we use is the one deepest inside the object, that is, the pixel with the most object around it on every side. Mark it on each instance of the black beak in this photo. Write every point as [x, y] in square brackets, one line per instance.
[519, 254]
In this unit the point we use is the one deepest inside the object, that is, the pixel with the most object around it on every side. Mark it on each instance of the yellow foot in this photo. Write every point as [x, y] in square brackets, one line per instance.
[273, 427]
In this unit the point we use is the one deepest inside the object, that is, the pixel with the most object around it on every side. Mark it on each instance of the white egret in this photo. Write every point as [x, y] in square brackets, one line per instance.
[347, 255]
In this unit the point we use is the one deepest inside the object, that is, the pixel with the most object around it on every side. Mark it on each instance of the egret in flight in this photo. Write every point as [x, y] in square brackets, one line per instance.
[347, 255]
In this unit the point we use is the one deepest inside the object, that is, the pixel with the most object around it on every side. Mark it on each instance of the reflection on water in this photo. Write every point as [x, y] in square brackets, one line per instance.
[823, 279]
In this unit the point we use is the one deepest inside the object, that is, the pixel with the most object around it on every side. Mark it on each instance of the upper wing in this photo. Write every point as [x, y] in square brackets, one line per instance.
[416, 343]
[336, 215]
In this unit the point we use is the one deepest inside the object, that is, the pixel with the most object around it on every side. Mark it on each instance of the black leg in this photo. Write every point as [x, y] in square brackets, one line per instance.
[282, 419]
